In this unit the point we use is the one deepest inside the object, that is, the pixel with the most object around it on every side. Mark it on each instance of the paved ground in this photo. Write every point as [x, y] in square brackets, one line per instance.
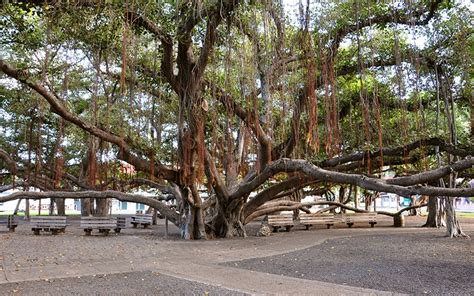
[419, 263]
[131, 283]
[114, 265]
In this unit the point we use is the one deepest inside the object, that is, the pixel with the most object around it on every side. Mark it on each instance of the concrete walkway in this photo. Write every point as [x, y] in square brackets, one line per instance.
[25, 257]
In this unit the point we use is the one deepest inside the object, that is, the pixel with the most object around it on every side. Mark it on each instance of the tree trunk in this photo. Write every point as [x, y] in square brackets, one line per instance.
[27, 209]
[342, 196]
[368, 201]
[227, 220]
[356, 197]
[15, 212]
[86, 207]
[193, 228]
[453, 227]
[60, 204]
[432, 220]
[101, 207]
[398, 220]
[51, 206]
[155, 216]
[296, 196]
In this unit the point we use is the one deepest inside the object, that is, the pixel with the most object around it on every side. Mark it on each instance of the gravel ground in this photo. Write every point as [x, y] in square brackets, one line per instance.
[422, 263]
[136, 283]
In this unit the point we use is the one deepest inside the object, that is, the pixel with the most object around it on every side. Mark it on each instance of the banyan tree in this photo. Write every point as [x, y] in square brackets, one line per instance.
[236, 109]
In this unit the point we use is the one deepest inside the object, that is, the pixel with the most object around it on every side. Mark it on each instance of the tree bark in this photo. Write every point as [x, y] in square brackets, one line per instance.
[86, 207]
[227, 221]
[453, 228]
[61, 206]
[432, 219]
[399, 220]
[102, 207]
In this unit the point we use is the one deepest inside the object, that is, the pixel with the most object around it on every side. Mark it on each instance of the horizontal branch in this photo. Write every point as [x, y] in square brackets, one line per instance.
[395, 185]
[294, 205]
[164, 209]
[398, 151]
[59, 108]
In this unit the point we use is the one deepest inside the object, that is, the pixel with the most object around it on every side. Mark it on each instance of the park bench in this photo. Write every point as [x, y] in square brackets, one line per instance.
[142, 219]
[121, 224]
[278, 221]
[55, 224]
[103, 224]
[309, 220]
[10, 221]
[352, 218]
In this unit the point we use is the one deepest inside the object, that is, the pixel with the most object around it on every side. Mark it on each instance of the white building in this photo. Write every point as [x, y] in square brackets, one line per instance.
[73, 206]
[36, 206]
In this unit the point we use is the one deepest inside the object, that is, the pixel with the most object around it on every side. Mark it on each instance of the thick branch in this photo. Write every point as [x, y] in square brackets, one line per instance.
[59, 108]
[273, 192]
[317, 173]
[163, 208]
[293, 205]
[398, 151]
[400, 17]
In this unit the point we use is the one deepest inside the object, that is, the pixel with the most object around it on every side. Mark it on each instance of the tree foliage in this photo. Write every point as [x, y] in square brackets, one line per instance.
[228, 105]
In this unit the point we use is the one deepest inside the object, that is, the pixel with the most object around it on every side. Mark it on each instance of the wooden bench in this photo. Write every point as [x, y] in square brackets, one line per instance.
[278, 221]
[55, 224]
[10, 221]
[103, 224]
[142, 219]
[309, 220]
[121, 224]
[350, 219]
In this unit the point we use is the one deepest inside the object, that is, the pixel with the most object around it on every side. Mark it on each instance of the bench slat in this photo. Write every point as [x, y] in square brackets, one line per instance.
[48, 222]
[101, 223]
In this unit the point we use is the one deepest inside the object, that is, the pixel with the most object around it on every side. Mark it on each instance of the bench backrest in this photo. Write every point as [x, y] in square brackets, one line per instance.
[95, 222]
[360, 217]
[122, 222]
[142, 218]
[39, 221]
[280, 219]
[9, 220]
[316, 218]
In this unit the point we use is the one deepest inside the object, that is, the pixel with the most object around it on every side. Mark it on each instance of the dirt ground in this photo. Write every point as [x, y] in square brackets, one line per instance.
[380, 261]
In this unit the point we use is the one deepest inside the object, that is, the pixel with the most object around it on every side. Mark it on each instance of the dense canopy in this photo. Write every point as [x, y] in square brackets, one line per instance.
[235, 109]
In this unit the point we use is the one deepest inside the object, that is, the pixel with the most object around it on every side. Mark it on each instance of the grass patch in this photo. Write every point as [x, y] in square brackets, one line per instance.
[465, 214]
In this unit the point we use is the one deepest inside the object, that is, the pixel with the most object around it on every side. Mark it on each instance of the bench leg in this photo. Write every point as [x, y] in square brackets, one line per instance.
[372, 224]
[88, 232]
[350, 224]
[117, 230]
[134, 225]
[275, 229]
[11, 229]
[329, 225]
[106, 231]
[307, 226]
[54, 231]
[288, 228]
[145, 225]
